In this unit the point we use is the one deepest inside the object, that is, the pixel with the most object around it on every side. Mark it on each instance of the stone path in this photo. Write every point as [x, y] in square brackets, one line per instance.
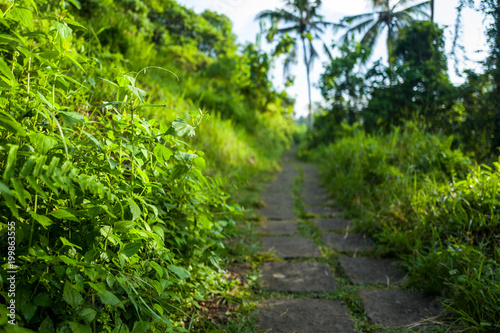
[320, 266]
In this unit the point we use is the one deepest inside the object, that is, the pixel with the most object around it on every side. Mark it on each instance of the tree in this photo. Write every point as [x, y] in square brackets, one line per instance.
[393, 18]
[491, 8]
[421, 89]
[343, 83]
[300, 17]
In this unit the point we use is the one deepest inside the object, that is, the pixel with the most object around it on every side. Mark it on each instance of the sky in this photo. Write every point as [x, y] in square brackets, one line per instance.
[242, 13]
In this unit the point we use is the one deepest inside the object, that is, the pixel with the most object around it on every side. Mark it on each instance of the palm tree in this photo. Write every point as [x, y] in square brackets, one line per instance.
[300, 17]
[385, 16]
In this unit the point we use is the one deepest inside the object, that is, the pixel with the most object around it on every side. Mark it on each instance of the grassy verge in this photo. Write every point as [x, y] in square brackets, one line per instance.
[428, 204]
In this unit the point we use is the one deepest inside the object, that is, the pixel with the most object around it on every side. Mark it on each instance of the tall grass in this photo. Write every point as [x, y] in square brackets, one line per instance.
[429, 204]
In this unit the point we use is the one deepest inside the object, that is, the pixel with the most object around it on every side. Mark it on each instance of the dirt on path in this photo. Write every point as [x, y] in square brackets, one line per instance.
[323, 276]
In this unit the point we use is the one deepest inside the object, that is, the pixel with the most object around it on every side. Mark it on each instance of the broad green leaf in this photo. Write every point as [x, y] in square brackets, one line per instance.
[185, 157]
[72, 57]
[72, 118]
[157, 268]
[10, 124]
[93, 139]
[179, 170]
[28, 166]
[179, 271]
[76, 3]
[134, 209]
[87, 314]
[24, 16]
[132, 248]
[68, 243]
[5, 70]
[106, 296]
[43, 143]
[79, 328]
[63, 30]
[39, 165]
[181, 128]
[47, 326]
[158, 287]
[43, 220]
[49, 54]
[9, 199]
[71, 295]
[158, 308]
[19, 188]
[38, 189]
[64, 215]
[162, 153]
[67, 260]
[200, 163]
[10, 167]
[124, 225]
[139, 93]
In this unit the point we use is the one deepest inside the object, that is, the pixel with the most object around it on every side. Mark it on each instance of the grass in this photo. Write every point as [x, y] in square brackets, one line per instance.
[429, 205]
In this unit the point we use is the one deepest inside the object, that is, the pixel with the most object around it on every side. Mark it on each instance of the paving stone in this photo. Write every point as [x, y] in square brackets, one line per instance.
[313, 191]
[290, 247]
[279, 227]
[333, 224]
[297, 277]
[351, 242]
[371, 270]
[280, 213]
[322, 210]
[304, 316]
[394, 307]
[316, 200]
[278, 200]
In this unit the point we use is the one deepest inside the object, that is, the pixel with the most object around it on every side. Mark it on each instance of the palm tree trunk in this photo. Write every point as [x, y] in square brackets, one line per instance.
[432, 11]
[306, 61]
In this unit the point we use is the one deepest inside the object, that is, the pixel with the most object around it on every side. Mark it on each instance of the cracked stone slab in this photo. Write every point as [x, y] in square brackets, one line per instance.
[394, 307]
[290, 247]
[279, 228]
[322, 210]
[297, 277]
[281, 213]
[371, 270]
[351, 242]
[304, 316]
[333, 224]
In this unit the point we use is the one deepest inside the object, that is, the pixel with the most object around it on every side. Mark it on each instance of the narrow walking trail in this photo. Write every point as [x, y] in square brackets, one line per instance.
[322, 276]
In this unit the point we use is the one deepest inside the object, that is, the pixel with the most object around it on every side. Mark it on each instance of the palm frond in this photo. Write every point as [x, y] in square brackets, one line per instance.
[279, 15]
[351, 19]
[361, 26]
[371, 35]
[417, 8]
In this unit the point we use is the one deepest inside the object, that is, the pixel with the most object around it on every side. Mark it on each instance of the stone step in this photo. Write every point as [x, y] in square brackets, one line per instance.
[281, 213]
[298, 277]
[333, 224]
[304, 316]
[290, 247]
[322, 211]
[394, 307]
[349, 242]
[277, 228]
[371, 270]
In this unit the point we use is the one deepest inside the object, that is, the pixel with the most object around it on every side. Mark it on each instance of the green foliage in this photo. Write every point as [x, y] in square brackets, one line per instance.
[420, 89]
[428, 204]
[118, 226]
